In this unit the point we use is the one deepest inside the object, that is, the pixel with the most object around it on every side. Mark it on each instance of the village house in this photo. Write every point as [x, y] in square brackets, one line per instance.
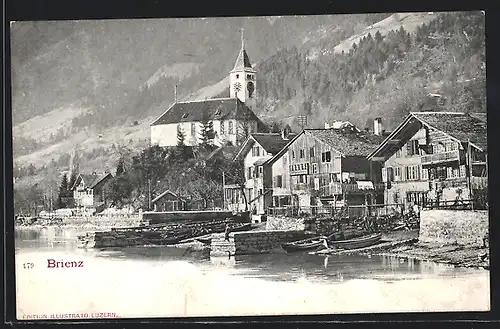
[265, 182]
[89, 190]
[168, 201]
[232, 117]
[329, 166]
[438, 156]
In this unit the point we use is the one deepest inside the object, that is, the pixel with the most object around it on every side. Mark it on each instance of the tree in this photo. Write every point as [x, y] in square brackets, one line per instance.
[207, 133]
[120, 167]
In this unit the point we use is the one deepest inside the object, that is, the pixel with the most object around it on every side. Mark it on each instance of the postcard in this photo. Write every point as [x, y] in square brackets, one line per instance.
[243, 166]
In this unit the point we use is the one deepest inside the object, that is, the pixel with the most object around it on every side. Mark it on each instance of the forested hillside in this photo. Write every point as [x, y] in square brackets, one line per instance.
[441, 65]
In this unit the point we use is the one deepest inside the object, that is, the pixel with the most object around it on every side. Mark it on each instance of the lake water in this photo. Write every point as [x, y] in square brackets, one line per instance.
[168, 282]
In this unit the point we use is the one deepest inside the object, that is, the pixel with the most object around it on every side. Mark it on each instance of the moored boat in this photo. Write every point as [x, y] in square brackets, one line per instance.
[304, 245]
[356, 243]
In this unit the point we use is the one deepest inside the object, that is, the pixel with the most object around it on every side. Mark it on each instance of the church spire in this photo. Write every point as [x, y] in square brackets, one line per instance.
[242, 62]
[242, 39]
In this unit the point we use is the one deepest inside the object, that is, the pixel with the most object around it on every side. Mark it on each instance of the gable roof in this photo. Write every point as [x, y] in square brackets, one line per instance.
[163, 194]
[90, 180]
[463, 127]
[459, 126]
[270, 142]
[217, 108]
[348, 141]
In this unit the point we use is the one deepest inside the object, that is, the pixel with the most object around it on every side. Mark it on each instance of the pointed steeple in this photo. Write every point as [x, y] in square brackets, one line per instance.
[242, 61]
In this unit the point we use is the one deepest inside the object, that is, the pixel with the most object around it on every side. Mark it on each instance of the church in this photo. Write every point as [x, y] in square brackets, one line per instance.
[232, 118]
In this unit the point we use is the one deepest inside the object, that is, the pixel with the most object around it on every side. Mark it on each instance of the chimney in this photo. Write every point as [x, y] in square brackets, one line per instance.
[377, 126]
[284, 133]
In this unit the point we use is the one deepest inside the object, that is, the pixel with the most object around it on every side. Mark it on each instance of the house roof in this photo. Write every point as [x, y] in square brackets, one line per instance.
[217, 108]
[90, 180]
[270, 142]
[480, 116]
[460, 126]
[348, 141]
[163, 194]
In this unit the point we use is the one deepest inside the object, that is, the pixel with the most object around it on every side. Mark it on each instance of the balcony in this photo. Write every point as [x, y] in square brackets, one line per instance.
[440, 157]
[350, 188]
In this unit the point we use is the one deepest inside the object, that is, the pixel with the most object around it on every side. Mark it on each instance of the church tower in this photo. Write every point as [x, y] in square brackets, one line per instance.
[242, 78]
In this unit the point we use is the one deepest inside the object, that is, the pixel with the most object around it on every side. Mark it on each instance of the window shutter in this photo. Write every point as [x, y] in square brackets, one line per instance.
[384, 174]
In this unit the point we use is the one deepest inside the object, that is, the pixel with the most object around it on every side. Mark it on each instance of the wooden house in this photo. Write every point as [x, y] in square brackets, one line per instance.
[433, 156]
[261, 176]
[329, 165]
[168, 201]
[89, 190]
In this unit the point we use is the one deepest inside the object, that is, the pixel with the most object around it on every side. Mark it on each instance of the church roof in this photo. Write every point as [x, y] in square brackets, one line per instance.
[243, 61]
[218, 109]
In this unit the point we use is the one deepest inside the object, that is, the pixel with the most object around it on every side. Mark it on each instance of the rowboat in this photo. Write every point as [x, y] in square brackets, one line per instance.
[360, 242]
[303, 245]
[207, 239]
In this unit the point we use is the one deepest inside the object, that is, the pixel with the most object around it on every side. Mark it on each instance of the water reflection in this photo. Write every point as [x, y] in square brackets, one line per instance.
[294, 267]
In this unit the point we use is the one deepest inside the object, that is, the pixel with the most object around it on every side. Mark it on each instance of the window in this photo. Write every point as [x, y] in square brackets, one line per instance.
[237, 76]
[249, 174]
[454, 146]
[185, 115]
[311, 152]
[441, 172]
[278, 181]
[193, 128]
[456, 172]
[231, 128]
[255, 151]
[412, 147]
[398, 153]
[396, 174]
[222, 128]
[326, 156]
[261, 170]
[425, 174]
[302, 153]
[462, 170]
[315, 168]
[390, 174]
[334, 177]
[293, 154]
[249, 76]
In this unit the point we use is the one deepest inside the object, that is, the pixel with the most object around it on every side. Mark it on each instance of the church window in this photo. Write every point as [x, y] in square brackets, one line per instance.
[193, 128]
[231, 128]
[249, 76]
[237, 76]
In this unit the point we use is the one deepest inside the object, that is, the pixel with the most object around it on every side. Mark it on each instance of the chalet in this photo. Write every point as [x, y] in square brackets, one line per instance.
[168, 201]
[330, 165]
[88, 190]
[232, 118]
[262, 178]
[438, 156]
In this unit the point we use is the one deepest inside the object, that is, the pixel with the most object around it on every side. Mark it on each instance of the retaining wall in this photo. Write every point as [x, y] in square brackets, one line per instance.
[319, 225]
[465, 227]
[254, 242]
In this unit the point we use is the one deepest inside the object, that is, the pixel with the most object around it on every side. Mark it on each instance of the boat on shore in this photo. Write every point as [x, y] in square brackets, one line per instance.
[304, 245]
[356, 243]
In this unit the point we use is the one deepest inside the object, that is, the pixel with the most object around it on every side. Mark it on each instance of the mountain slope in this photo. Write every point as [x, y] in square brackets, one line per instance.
[383, 74]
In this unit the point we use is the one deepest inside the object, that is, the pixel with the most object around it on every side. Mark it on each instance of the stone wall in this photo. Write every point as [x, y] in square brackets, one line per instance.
[465, 227]
[319, 225]
[254, 242]
[285, 223]
[111, 220]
